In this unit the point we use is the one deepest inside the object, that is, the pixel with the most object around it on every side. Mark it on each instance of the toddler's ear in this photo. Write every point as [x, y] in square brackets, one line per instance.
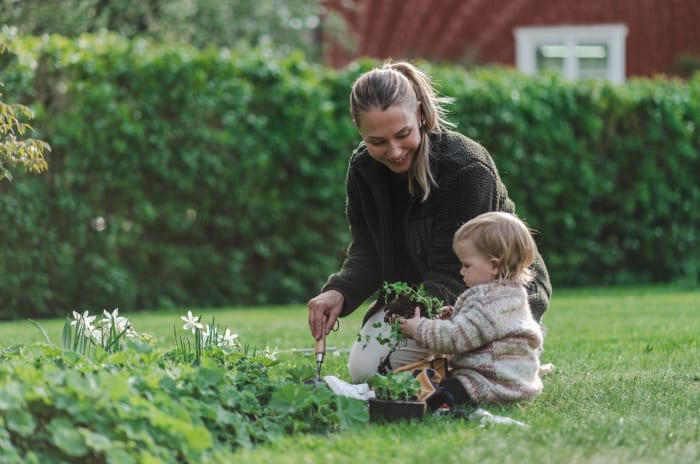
[494, 266]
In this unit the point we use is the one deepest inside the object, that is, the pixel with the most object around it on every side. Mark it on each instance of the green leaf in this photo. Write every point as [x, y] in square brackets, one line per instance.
[67, 438]
[96, 441]
[290, 397]
[210, 376]
[22, 422]
[120, 456]
[351, 412]
[11, 397]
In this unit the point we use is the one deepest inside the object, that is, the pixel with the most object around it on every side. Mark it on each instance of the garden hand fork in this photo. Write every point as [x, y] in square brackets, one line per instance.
[320, 353]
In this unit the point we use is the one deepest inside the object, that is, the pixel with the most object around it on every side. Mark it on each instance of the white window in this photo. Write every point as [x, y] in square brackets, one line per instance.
[577, 52]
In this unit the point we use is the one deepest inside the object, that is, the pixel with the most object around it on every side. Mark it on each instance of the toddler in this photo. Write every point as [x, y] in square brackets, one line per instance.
[493, 340]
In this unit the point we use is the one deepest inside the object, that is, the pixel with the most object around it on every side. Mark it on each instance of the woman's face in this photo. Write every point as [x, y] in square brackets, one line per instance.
[392, 136]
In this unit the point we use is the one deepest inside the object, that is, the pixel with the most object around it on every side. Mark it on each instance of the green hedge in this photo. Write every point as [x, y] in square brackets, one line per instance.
[204, 178]
[609, 174]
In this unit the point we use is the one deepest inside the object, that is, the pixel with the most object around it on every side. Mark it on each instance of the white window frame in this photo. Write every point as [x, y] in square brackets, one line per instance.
[528, 39]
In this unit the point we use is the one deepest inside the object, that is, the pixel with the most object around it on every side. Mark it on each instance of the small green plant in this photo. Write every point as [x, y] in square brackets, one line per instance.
[400, 301]
[84, 336]
[401, 386]
[401, 297]
[206, 338]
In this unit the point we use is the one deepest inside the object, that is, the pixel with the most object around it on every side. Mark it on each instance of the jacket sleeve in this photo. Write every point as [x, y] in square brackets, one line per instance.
[359, 276]
[539, 291]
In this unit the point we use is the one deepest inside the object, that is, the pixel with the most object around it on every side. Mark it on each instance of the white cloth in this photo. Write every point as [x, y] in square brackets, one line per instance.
[342, 388]
[484, 417]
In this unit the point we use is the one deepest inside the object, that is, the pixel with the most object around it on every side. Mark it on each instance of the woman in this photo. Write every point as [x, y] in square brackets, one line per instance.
[411, 184]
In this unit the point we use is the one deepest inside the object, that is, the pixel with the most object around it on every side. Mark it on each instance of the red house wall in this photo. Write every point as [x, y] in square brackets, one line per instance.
[481, 31]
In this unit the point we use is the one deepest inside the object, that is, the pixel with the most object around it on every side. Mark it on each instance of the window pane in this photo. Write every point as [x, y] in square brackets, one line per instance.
[592, 61]
[551, 57]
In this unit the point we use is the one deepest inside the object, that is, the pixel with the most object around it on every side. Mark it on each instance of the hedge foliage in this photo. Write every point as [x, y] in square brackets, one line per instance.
[181, 177]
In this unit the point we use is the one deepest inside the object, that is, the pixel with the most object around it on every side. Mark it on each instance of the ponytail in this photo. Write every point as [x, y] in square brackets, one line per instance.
[389, 86]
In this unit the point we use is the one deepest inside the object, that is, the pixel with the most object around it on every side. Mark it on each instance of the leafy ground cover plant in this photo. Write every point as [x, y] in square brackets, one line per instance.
[198, 402]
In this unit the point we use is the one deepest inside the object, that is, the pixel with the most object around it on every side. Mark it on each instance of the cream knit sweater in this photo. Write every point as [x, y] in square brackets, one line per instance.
[494, 340]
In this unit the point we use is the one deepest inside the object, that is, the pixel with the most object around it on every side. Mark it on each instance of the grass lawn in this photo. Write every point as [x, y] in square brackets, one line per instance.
[626, 385]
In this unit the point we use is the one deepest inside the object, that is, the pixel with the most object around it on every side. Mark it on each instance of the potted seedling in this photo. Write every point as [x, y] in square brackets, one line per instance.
[395, 398]
[401, 301]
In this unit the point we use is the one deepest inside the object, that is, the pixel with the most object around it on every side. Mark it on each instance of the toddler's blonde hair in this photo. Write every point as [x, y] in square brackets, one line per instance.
[505, 237]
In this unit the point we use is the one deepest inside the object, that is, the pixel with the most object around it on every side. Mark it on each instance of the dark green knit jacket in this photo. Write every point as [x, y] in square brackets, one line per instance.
[468, 184]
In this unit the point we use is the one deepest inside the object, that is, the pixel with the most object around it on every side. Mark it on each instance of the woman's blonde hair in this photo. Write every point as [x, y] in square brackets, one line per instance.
[505, 237]
[391, 85]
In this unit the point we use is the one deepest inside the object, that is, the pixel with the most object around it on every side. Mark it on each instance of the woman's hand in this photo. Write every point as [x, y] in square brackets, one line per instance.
[409, 326]
[324, 307]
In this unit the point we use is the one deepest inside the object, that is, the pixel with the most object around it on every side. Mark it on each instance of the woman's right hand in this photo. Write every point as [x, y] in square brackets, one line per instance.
[324, 307]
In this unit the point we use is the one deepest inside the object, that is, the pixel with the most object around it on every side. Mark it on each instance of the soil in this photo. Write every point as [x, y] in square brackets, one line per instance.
[401, 306]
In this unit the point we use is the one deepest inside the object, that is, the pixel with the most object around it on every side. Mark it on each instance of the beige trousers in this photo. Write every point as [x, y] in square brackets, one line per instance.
[367, 352]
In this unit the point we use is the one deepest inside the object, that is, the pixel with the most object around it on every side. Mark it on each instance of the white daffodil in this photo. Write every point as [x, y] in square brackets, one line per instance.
[97, 335]
[206, 331]
[270, 354]
[227, 338]
[191, 323]
[120, 323]
[84, 321]
[109, 317]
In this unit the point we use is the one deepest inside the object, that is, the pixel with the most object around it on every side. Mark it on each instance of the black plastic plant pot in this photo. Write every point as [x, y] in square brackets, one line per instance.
[381, 411]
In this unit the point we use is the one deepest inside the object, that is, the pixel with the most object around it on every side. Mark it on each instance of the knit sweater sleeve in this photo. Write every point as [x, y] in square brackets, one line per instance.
[471, 326]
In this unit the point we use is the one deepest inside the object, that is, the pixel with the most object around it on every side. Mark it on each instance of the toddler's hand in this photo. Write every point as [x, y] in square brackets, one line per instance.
[445, 312]
[408, 326]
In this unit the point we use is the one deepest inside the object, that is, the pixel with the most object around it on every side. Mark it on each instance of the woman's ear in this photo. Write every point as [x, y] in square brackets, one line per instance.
[419, 115]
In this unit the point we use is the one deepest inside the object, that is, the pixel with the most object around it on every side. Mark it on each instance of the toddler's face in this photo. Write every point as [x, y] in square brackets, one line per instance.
[476, 267]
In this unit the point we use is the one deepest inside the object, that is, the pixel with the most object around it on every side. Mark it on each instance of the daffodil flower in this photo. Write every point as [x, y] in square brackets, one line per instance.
[270, 354]
[84, 321]
[120, 323]
[191, 323]
[109, 317]
[206, 331]
[227, 339]
[96, 335]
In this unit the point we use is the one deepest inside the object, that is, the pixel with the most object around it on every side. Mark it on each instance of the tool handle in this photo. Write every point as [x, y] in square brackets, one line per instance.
[321, 343]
